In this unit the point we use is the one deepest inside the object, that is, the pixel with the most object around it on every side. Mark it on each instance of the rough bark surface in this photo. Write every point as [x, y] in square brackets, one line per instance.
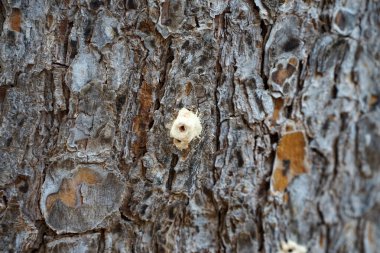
[288, 97]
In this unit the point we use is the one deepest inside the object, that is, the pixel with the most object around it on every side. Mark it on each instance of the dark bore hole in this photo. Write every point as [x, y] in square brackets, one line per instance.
[178, 141]
[182, 128]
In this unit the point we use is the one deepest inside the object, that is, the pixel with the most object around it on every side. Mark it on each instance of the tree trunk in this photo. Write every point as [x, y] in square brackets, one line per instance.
[287, 93]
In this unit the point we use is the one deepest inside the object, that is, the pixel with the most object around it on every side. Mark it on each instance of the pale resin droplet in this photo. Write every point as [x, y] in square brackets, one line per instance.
[185, 128]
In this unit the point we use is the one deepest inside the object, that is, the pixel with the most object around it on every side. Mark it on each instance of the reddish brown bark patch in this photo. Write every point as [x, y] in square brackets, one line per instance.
[373, 100]
[281, 74]
[15, 20]
[141, 121]
[278, 104]
[188, 88]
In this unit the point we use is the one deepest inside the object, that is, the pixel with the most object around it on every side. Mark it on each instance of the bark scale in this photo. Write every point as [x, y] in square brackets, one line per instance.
[288, 97]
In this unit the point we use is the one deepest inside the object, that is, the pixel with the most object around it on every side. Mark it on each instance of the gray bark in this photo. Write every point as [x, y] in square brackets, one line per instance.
[288, 97]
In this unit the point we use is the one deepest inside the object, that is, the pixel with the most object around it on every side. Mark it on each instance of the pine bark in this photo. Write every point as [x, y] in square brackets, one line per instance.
[288, 97]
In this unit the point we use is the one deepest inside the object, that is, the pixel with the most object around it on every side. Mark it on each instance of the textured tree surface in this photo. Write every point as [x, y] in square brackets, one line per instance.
[288, 97]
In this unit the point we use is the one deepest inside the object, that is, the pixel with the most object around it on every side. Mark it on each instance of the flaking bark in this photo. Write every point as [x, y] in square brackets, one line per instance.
[288, 97]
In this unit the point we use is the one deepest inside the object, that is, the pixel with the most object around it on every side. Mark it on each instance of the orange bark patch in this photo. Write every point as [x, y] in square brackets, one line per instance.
[285, 198]
[321, 241]
[15, 20]
[278, 103]
[290, 160]
[145, 97]
[289, 128]
[69, 192]
[280, 180]
[141, 121]
[293, 61]
[373, 100]
[188, 88]
[280, 75]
